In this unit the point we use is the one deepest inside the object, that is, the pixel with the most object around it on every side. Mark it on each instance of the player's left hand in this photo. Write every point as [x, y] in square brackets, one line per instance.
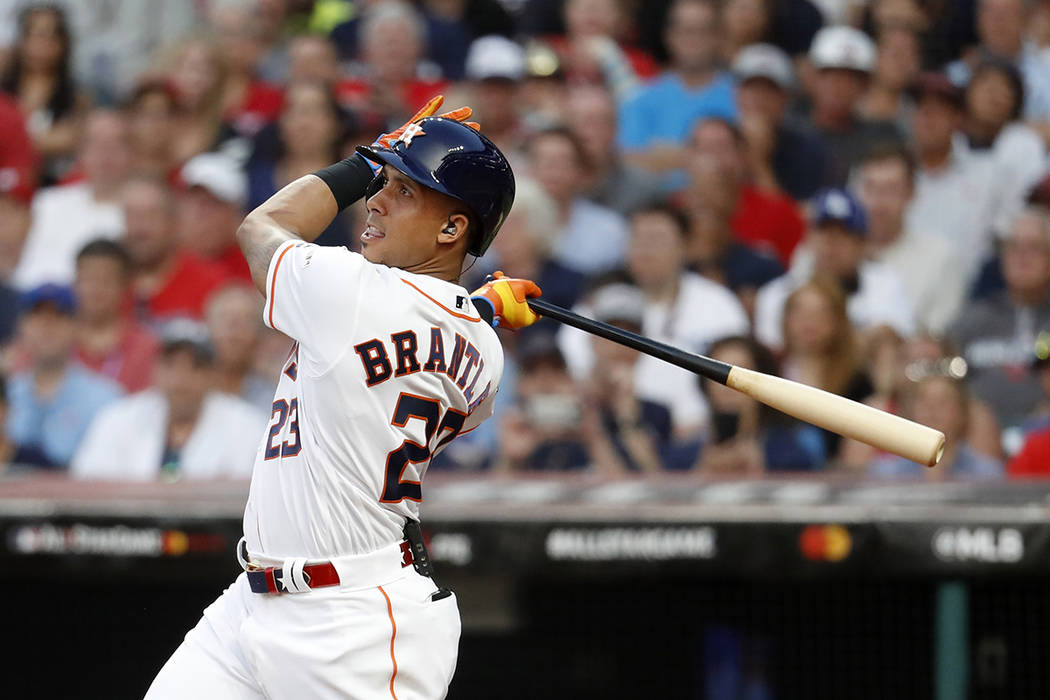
[507, 297]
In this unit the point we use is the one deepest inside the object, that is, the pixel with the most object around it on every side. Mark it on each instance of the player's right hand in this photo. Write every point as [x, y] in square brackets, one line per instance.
[428, 110]
[508, 298]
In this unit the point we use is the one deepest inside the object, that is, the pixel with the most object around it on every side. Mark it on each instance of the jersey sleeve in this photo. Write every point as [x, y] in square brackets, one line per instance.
[310, 294]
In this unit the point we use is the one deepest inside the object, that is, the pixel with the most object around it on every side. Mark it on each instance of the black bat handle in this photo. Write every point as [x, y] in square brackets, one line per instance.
[704, 366]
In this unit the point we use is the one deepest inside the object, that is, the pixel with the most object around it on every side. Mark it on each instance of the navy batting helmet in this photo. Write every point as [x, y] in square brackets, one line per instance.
[456, 160]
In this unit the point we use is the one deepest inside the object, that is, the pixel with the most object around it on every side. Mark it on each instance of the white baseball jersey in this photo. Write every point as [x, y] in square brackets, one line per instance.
[387, 369]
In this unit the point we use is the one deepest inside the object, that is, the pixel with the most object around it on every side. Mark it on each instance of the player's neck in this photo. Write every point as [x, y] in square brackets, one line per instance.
[446, 269]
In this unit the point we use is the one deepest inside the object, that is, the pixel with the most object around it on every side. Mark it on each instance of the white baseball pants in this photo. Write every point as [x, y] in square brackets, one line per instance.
[384, 638]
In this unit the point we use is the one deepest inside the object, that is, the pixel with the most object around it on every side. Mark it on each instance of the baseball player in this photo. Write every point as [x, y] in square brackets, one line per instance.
[392, 360]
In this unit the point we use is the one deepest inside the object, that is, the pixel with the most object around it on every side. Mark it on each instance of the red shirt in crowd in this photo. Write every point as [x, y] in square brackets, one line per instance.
[17, 158]
[233, 263]
[184, 293]
[262, 104]
[130, 362]
[1033, 461]
[768, 221]
[355, 94]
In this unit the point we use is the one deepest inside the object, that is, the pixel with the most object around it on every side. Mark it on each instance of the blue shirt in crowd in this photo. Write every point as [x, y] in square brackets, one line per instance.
[665, 109]
[56, 424]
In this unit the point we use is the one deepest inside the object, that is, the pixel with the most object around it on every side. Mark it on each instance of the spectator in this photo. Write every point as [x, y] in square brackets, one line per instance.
[623, 431]
[954, 191]
[996, 336]
[180, 429]
[391, 80]
[248, 103]
[525, 248]
[1033, 457]
[53, 401]
[151, 114]
[11, 452]
[453, 24]
[655, 124]
[40, 78]
[197, 71]
[544, 431]
[766, 220]
[748, 438]
[234, 318]
[591, 238]
[68, 216]
[836, 243]
[942, 403]
[310, 137]
[1001, 27]
[544, 92]
[797, 155]
[17, 182]
[612, 182]
[107, 340]
[744, 22]
[496, 68]
[994, 99]
[926, 266]
[590, 53]
[210, 209]
[820, 347]
[674, 296]
[844, 59]
[313, 58]
[713, 251]
[167, 281]
[897, 66]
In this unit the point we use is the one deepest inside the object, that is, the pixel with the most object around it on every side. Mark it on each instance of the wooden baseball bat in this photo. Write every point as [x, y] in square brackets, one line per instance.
[838, 414]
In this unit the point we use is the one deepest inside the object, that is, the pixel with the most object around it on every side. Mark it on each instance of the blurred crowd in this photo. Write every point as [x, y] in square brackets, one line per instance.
[854, 194]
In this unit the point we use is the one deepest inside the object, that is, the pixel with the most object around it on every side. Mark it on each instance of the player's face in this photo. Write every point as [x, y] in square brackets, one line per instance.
[404, 223]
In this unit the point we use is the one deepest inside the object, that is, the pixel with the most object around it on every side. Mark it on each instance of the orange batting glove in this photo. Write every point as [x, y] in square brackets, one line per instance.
[428, 110]
[507, 297]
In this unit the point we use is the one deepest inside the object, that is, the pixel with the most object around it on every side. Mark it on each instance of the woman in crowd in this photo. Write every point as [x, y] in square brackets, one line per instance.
[309, 136]
[820, 347]
[942, 402]
[748, 438]
[39, 76]
[197, 71]
[151, 111]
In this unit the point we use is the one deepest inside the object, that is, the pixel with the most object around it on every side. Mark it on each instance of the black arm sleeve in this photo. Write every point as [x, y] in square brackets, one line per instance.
[348, 179]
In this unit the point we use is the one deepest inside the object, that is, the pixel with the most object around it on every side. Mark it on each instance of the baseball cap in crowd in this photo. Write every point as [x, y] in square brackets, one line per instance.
[57, 295]
[934, 84]
[842, 47]
[495, 57]
[538, 349]
[186, 334]
[618, 303]
[764, 61]
[219, 174]
[838, 205]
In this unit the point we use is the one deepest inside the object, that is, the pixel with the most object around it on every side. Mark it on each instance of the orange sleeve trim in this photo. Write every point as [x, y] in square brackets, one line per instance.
[393, 634]
[454, 313]
[273, 281]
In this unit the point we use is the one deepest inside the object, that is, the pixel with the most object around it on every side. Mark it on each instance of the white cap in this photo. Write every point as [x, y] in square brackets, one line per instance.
[618, 301]
[764, 61]
[842, 47]
[495, 56]
[219, 174]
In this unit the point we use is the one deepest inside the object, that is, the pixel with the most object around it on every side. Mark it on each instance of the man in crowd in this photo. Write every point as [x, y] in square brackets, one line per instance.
[495, 69]
[234, 318]
[592, 238]
[844, 59]
[54, 400]
[926, 266]
[954, 192]
[68, 216]
[997, 335]
[797, 156]
[108, 341]
[183, 428]
[655, 123]
[836, 243]
[211, 208]
[765, 219]
[167, 281]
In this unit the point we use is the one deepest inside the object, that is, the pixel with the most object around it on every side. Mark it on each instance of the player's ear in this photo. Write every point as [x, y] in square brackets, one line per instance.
[455, 228]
